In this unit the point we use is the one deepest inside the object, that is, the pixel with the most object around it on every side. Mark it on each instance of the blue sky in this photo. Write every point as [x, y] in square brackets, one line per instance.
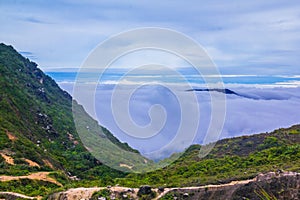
[242, 37]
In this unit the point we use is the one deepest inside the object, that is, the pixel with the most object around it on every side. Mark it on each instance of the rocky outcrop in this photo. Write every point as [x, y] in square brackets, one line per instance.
[273, 185]
[144, 190]
[280, 185]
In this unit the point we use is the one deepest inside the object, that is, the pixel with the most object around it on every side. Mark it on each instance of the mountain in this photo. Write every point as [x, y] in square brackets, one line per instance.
[37, 130]
[230, 92]
[262, 166]
[231, 159]
[224, 91]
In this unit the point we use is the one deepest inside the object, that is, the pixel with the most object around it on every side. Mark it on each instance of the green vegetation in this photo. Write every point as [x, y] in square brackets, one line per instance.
[102, 193]
[294, 132]
[29, 187]
[169, 196]
[107, 149]
[36, 123]
[150, 196]
[267, 152]
[263, 195]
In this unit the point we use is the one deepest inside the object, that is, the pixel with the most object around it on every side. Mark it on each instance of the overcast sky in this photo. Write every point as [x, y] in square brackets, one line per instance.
[242, 37]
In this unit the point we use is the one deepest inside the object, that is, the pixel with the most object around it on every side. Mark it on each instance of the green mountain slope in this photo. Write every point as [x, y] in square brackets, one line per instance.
[231, 159]
[37, 126]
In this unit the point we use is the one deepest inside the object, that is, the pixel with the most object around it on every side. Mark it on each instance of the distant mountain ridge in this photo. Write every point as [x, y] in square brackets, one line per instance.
[227, 91]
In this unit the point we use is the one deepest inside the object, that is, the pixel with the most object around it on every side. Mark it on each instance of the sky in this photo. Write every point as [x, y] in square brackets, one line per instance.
[252, 38]
[242, 37]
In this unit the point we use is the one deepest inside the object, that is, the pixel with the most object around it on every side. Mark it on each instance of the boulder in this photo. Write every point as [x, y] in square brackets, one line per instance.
[144, 190]
[161, 189]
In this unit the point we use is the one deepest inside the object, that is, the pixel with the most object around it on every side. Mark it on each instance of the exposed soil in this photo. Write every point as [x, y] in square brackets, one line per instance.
[31, 163]
[42, 176]
[14, 195]
[11, 136]
[49, 164]
[8, 159]
[125, 165]
[86, 193]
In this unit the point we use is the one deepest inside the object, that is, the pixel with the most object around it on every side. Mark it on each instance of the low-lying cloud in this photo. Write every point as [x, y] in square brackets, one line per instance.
[253, 110]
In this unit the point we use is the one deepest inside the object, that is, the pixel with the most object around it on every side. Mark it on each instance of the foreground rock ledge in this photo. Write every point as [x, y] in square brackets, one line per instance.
[281, 185]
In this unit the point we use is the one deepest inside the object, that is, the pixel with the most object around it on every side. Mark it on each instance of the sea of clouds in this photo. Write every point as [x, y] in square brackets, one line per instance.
[157, 110]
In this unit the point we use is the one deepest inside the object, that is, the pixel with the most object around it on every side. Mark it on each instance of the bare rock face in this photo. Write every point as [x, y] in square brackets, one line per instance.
[273, 185]
[74, 194]
[280, 186]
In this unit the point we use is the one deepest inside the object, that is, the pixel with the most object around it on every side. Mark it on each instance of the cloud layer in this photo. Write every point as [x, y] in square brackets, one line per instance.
[266, 110]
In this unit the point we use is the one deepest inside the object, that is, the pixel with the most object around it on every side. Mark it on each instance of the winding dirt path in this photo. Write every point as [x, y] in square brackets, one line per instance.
[41, 176]
[18, 195]
[86, 193]
[243, 182]
[259, 177]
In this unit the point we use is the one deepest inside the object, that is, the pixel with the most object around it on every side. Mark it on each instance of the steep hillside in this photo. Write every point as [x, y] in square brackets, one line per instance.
[231, 159]
[37, 131]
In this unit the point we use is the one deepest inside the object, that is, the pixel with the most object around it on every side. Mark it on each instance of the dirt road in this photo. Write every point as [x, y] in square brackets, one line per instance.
[42, 176]
[13, 194]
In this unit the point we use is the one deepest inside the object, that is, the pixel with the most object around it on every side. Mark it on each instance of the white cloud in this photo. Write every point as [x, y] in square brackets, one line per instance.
[253, 110]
